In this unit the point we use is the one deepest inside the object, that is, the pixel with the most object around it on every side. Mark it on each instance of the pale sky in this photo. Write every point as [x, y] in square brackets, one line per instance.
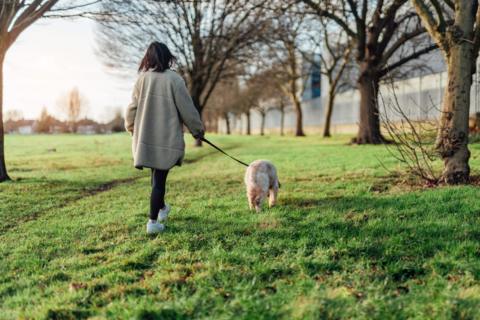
[52, 57]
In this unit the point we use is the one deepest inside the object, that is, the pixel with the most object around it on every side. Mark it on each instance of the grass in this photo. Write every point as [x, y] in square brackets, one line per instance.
[346, 241]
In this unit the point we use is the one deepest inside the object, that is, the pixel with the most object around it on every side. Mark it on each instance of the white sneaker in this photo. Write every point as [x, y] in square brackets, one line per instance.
[154, 227]
[163, 213]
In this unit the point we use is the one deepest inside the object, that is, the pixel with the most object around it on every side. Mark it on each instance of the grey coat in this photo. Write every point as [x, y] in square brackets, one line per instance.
[160, 106]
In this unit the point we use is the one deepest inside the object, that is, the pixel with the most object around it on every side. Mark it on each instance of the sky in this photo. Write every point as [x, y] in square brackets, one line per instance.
[52, 57]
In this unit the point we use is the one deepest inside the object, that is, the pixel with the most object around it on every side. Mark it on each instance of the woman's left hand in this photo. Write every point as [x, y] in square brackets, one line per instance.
[199, 135]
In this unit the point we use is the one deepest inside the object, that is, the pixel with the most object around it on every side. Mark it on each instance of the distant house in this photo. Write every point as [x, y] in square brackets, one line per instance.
[89, 126]
[86, 129]
[28, 129]
[21, 126]
[49, 125]
[59, 127]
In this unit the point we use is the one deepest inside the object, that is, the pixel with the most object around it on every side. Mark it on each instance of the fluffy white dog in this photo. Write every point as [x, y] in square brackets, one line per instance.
[262, 181]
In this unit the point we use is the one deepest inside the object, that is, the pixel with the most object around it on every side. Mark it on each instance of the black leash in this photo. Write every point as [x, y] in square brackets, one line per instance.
[208, 142]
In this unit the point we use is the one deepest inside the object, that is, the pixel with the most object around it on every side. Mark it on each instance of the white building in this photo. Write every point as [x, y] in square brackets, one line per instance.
[420, 97]
[27, 129]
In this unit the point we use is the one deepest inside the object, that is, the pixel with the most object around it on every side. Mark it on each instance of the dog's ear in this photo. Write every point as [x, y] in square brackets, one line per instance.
[279, 185]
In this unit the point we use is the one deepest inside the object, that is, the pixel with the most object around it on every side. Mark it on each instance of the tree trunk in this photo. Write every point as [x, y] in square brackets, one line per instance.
[369, 126]
[249, 128]
[262, 125]
[3, 167]
[452, 138]
[282, 121]
[328, 113]
[73, 127]
[299, 123]
[215, 125]
[227, 122]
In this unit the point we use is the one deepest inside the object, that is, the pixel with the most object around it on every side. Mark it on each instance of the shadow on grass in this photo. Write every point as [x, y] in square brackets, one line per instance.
[65, 314]
[71, 191]
[166, 314]
[388, 241]
[400, 237]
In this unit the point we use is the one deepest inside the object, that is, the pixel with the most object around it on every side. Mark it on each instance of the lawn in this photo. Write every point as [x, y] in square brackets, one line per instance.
[347, 240]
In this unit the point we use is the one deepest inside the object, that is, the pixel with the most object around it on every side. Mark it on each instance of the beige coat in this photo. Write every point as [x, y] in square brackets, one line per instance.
[160, 106]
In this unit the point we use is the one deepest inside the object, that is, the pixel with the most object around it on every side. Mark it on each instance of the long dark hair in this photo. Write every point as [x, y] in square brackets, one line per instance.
[158, 57]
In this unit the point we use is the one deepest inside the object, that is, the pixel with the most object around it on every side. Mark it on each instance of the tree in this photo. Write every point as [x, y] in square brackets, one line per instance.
[267, 101]
[262, 107]
[285, 60]
[260, 94]
[15, 17]
[282, 108]
[226, 100]
[206, 36]
[272, 79]
[73, 105]
[387, 35]
[334, 61]
[117, 123]
[248, 113]
[245, 105]
[45, 122]
[251, 94]
[455, 27]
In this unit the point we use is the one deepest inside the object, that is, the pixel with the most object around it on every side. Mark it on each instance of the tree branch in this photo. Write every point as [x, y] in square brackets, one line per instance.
[401, 62]
[325, 13]
[431, 24]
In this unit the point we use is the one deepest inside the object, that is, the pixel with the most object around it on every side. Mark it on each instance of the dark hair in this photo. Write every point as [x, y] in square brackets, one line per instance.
[158, 57]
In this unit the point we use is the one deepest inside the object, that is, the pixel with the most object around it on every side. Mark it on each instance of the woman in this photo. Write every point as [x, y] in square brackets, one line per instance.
[160, 106]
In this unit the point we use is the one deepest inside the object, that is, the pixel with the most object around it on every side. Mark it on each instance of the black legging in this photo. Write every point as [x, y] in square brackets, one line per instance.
[157, 198]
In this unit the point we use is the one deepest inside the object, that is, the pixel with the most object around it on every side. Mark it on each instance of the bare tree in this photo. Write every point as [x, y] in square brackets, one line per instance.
[247, 110]
[260, 94]
[243, 107]
[387, 35]
[252, 95]
[412, 138]
[263, 107]
[455, 27]
[280, 104]
[263, 113]
[271, 98]
[45, 122]
[206, 36]
[226, 100]
[334, 61]
[15, 17]
[285, 59]
[73, 105]
[117, 123]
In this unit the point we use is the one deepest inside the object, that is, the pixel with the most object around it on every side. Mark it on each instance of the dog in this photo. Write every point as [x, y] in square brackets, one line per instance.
[261, 181]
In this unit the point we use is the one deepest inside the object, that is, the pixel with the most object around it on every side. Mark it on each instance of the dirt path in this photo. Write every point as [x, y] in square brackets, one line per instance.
[90, 192]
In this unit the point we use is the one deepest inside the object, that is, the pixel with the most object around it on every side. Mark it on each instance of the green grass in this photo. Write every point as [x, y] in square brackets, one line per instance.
[346, 241]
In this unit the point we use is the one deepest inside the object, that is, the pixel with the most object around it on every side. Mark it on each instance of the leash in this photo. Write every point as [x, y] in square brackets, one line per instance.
[214, 146]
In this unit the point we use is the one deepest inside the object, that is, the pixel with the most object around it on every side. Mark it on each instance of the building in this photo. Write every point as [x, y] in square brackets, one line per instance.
[89, 126]
[21, 126]
[420, 97]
